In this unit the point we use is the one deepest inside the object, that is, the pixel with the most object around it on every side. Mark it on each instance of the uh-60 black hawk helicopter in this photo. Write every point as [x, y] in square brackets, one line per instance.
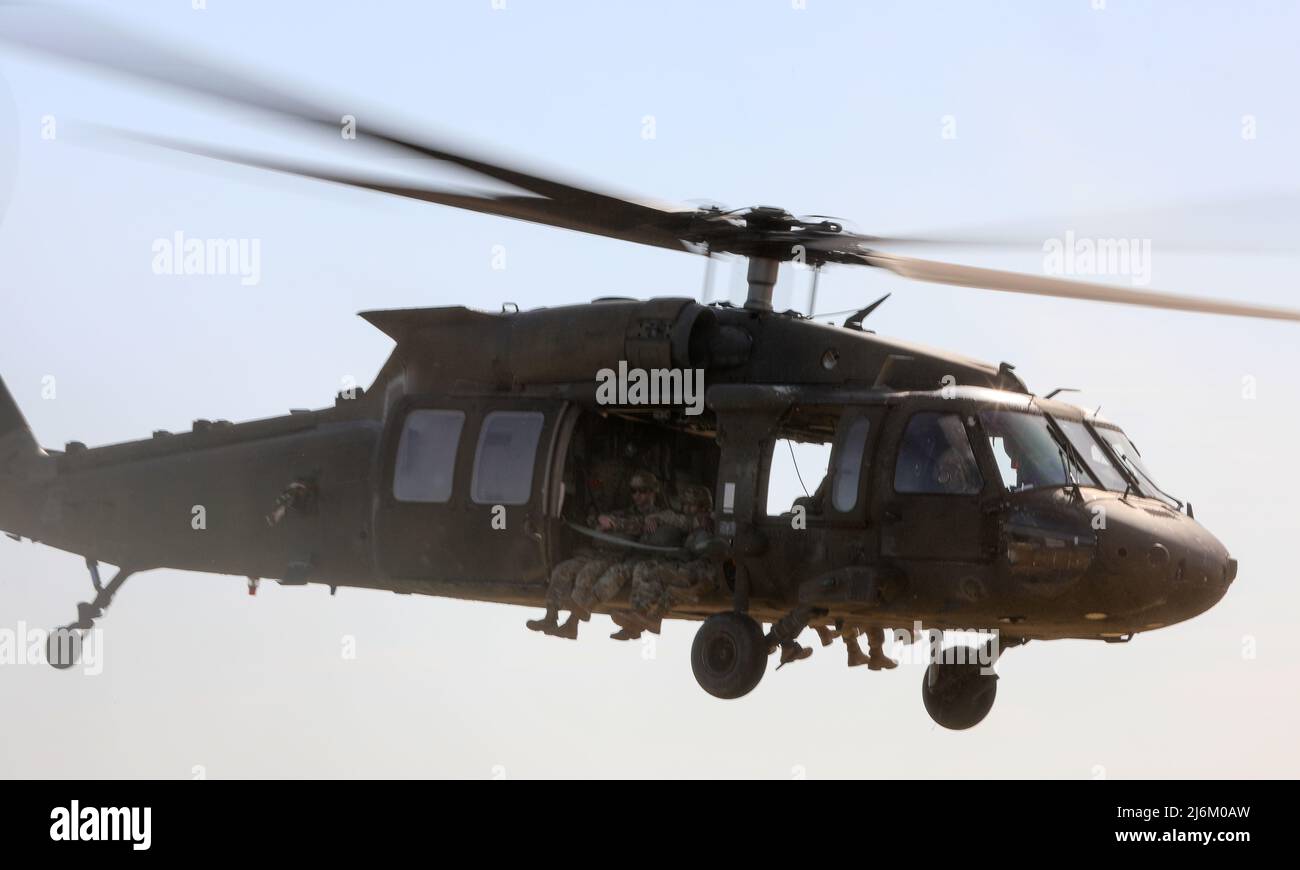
[954, 498]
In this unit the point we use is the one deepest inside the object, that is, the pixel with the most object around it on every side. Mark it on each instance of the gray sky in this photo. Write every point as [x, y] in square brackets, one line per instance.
[837, 108]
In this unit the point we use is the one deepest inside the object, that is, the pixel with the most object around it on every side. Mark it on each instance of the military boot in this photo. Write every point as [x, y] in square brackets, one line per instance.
[568, 630]
[547, 624]
[878, 661]
[629, 626]
[793, 652]
[856, 655]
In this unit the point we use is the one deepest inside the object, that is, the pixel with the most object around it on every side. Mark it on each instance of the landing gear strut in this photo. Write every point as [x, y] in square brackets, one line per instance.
[729, 655]
[63, 647]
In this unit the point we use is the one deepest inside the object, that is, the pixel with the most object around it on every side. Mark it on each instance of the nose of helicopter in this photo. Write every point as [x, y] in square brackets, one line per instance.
[1164, 566]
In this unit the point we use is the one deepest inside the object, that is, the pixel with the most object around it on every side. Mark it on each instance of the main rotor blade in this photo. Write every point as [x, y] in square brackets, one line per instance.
[1038, 285]
[1261, 223]
[88, 40]
[611, 223]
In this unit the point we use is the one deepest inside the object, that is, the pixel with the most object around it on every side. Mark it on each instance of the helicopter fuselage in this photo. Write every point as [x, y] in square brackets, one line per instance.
[1074, 559]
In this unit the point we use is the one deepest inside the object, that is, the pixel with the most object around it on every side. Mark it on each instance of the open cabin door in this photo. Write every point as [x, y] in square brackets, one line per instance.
[814, 472]
[466, 489]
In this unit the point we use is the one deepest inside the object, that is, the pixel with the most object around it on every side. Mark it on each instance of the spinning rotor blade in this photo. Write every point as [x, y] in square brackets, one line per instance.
[610, 222]
[1038, 285]
[766, 235]
[91, 41]
[1265, 223]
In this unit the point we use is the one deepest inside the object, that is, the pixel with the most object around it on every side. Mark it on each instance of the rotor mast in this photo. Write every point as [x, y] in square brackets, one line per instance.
[762, 282]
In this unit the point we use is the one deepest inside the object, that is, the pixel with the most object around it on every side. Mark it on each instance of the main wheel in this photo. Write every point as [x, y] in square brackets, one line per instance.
[63, 648]
[955, 693]
[729, 655]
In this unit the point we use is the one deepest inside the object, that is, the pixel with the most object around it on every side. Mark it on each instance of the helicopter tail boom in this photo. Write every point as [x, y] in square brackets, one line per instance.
[20, 457]
[16, 440]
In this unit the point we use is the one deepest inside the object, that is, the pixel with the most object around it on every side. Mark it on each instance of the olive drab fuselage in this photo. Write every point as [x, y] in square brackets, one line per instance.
[1064, 561]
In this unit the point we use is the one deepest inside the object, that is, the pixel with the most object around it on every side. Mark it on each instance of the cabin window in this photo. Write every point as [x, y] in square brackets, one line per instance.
[936, 457]
[848, 465]
[426, 456]
[507, 448]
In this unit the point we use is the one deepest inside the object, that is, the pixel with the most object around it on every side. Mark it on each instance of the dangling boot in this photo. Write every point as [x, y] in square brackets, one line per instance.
[856, 655]
[878, 661]
[629, 626]
[824, 634]
[547, 624]
[793, 652]
[569, 629]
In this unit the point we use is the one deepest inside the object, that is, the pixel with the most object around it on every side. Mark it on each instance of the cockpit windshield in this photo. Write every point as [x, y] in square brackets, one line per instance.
[1113, 462]
[1028, 453]
[1093, 453]
[1128, 455]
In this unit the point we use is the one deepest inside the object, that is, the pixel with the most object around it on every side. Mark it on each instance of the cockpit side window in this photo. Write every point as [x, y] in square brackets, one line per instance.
[936, 458]
[1028, 453]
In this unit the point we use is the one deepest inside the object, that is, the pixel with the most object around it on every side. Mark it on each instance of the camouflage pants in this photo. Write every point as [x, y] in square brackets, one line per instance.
[600, 581]
[564, 577]
[658, 584]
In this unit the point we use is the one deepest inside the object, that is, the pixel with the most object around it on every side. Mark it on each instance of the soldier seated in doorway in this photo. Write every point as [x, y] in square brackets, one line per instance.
[648, 523]
[597, 572]
[660, 583]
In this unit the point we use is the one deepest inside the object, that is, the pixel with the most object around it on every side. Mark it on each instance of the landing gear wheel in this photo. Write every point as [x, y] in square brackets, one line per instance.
[729, 655]
[955, 693]
[63, 648]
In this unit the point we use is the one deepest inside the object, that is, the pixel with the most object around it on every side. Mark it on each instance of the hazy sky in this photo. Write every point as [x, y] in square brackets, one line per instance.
[842, 108]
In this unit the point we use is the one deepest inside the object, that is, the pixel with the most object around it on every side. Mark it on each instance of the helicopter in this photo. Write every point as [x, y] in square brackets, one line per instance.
[954, 497]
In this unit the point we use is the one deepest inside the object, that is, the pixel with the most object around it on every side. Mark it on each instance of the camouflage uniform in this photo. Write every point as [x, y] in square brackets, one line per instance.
[599, 582]
[596, 573]
[659, 584]
[565, 575]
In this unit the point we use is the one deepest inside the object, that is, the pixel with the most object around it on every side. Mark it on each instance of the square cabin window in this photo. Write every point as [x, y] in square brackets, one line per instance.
[426, 456]
[507, 448]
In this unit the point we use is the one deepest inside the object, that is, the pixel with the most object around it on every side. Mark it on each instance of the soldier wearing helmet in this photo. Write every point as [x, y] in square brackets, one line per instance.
[598, 574]
[658, 584]
[645, 523]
